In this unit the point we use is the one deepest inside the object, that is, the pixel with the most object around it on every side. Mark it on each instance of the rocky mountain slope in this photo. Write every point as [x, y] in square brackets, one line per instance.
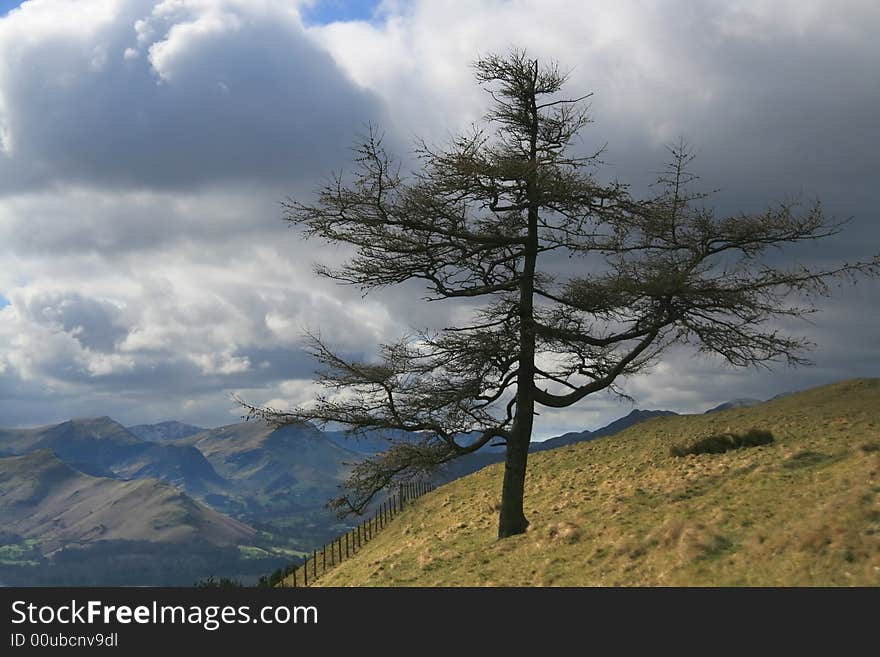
[163, 431]
[44, 498]
[102, 447]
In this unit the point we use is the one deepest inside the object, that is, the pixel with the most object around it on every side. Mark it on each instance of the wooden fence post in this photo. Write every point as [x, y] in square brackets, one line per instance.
[362, 533]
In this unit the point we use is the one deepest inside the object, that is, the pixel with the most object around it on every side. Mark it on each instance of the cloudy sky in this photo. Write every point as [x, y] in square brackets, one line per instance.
[145, 272]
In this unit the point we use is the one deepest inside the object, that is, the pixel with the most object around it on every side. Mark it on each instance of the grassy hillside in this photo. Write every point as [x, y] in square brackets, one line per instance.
[804, 510]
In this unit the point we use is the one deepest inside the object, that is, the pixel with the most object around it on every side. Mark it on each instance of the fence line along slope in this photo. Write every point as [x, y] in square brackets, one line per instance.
[345, 546]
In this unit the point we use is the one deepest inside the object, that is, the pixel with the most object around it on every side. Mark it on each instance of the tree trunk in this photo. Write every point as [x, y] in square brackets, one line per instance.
[511, 519]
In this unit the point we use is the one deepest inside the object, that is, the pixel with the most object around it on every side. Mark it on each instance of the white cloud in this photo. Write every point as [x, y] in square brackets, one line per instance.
[225, 90]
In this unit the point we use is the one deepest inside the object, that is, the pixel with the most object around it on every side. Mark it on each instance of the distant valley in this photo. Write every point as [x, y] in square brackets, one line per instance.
[244, 497]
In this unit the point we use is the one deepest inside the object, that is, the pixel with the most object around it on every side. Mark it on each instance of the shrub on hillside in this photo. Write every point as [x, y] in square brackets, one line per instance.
[723, 442]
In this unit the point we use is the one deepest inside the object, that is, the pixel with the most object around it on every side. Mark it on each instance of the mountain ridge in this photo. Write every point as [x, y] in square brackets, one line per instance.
[100, 446]
[164, 431]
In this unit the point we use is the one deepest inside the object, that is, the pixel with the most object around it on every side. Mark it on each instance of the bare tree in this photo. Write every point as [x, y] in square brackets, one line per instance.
[474, 222]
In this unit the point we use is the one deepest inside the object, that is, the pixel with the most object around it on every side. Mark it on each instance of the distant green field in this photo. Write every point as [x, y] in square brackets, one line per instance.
[622, 510]
[25, 553]
[255, 552]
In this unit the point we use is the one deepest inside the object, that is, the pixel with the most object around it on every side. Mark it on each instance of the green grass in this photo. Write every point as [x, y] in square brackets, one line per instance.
[256, 552]
[25, 553]
[802, 510]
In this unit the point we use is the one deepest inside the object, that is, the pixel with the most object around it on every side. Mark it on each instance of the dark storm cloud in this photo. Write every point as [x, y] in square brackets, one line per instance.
[778, 100]
[63, 223]
[183, 378]
[192, 96]
[784, 115]
[769, 118]
[94, 324]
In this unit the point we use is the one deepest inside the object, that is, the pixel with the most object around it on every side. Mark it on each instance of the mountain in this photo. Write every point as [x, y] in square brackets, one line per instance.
[61, 527]
[87, 436]
[164, 431]
[102, 447]
[742, 402]
[623, 511]
[278, 479]
[44, 498]
[253, 455]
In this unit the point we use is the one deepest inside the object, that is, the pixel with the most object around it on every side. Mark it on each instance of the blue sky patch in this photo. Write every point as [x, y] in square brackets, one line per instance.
[3, 301]
[7, 5]
[331, 11]
[321, 13]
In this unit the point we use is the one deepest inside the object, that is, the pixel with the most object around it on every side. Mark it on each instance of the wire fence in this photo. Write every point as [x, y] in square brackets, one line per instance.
[347, 545]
